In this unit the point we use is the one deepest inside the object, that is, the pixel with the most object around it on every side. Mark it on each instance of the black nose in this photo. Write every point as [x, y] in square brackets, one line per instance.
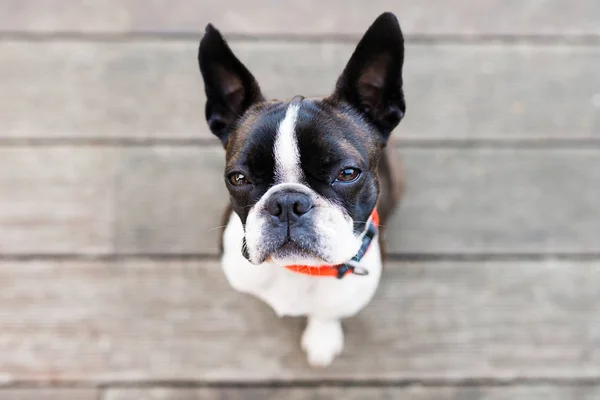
[289, 206]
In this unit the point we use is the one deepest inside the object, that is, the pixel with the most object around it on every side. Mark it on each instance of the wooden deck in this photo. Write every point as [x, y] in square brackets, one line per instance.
[110, 191]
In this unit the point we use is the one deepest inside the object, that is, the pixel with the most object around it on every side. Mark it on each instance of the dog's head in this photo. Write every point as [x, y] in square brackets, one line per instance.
[302, 174]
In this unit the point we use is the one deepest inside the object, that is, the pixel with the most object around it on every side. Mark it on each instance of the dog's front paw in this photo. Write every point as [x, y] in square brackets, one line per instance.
[322, 340]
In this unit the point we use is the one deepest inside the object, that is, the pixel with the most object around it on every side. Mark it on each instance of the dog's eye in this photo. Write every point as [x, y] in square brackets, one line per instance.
[348, 175]
[238, 179]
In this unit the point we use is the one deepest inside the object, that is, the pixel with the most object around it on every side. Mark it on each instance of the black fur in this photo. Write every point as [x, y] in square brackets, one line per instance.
[328, 142]
[372, 79]
[230, 88]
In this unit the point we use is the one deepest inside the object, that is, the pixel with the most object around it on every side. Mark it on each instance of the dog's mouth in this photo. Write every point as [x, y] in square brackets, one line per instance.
[292, 251]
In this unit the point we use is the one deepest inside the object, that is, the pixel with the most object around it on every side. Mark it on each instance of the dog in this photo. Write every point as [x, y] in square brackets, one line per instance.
[312, 183]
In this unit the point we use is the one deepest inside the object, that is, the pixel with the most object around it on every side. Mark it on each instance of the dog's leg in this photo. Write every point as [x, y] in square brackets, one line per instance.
[322, 340]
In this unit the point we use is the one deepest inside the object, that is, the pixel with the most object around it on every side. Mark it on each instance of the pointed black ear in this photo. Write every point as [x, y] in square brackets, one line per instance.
[230, 88]
[372, 79]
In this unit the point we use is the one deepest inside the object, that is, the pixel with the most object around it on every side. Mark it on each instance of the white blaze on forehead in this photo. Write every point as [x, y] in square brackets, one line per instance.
[285, 149]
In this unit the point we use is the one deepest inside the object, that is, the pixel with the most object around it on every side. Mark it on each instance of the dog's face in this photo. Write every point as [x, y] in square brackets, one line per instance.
[302, 174]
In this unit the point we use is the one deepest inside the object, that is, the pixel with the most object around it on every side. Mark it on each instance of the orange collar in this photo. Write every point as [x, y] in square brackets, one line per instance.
[350, 267]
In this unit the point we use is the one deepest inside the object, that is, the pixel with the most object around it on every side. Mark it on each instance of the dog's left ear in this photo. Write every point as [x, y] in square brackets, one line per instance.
[372, 79]
[230, 88]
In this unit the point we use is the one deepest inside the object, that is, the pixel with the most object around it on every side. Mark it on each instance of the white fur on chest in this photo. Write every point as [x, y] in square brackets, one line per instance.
[293, 294]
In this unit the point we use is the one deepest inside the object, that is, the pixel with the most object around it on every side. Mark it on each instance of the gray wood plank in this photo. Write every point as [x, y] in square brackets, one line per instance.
[169, 200]
[56, 200]
[393, 393]
[142, 320]
[458, 201]
[153, 89]
[348, 17]
[499, 201]
[48, 394]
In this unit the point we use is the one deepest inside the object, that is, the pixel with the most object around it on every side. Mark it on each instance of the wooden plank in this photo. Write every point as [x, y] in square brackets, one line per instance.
[347, 17]
[499, 201]
[56, 200]
[48, 394]
[153, 89]
[458, 201]
[169, 200]
[546, 392]
[143, 320]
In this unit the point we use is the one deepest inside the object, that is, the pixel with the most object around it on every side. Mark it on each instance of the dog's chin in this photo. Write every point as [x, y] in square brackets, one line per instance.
[291, 253]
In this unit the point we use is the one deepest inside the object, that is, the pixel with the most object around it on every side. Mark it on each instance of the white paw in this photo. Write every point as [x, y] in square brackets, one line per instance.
[322, 341]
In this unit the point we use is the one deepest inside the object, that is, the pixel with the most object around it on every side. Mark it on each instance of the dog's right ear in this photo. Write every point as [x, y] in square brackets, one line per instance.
[372, 79]
[230, 88]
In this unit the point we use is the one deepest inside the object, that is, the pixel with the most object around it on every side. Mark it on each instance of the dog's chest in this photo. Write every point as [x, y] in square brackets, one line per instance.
[293, 294]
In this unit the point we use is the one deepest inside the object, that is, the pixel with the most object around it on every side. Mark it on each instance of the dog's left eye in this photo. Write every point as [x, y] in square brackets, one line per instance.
[348, 175]
[238, 179]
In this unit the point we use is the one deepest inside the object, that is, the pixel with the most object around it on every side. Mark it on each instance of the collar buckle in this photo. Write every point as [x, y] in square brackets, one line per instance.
[352, 266]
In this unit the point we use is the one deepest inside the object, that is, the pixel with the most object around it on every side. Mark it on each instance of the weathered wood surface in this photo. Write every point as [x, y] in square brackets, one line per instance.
[457, 201]
[56, 200]
[159, 320]
[49, 394]
[153, 89]
[89, 78]
[169, 200]
[309, 17]
[544, 392]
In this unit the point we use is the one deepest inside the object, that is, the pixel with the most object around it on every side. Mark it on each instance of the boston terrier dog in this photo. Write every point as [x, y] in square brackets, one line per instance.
[312, 183]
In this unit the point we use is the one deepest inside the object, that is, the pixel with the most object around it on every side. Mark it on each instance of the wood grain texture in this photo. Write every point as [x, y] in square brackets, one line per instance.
[460, 201]
[485, 17]
[169, 200]
[48, 394]
[327, 393]
[180, 321]
[153, 89]
[56, 200]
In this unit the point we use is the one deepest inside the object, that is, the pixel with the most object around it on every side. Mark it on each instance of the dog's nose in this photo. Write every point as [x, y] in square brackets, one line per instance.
[289, 206]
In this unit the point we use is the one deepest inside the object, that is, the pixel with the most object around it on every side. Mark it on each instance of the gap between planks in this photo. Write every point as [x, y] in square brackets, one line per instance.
[572, 143]
[544, 39]
[304, 383]
[390, 257]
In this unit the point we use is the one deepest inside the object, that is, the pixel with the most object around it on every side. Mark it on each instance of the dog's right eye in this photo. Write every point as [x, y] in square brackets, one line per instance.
[238, 179]
[348, 175]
